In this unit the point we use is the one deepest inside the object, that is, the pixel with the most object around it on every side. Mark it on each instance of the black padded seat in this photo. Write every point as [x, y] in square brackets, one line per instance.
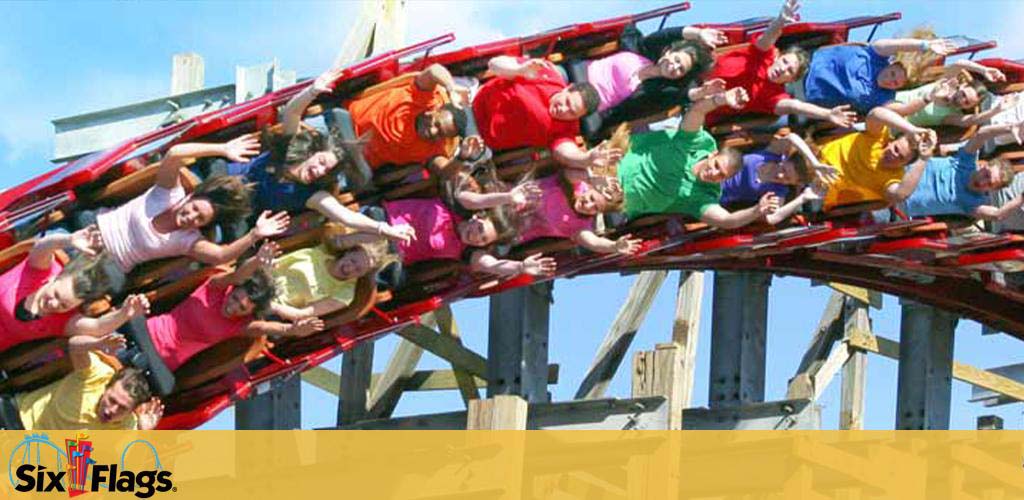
[358, 177]
[141, 353]
[10, 418]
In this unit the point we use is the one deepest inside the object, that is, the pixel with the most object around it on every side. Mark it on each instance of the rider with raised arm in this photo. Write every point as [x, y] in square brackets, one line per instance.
[866, 76]
[763, 71]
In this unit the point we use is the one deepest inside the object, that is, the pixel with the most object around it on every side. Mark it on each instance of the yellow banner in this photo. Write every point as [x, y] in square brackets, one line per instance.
[284, 465]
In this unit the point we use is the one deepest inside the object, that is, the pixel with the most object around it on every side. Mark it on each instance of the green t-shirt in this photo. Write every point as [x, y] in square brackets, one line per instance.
[303, 277]
[657, 174]
[931, 115]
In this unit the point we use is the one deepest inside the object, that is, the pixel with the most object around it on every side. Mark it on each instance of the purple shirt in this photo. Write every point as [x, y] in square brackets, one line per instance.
[616, 77]
[744, 188]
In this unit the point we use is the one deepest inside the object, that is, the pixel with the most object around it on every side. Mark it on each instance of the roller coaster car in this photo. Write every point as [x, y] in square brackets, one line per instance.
[1014, 70]
[811, 35]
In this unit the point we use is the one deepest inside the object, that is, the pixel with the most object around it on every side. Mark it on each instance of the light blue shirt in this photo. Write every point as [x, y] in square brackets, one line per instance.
[943, 189]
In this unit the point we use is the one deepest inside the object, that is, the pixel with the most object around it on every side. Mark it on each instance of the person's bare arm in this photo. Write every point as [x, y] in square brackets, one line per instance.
[989, 132]
[880, 117]
[267, 225]
[300, 328]
[293, 111]
[435, 75]
[87, 240]
[510, 67]
[719, 217]
[239, 149]
[625, 245]
[318, 308]
[786, 211]
[330, 207]
[899, 192]
[989, 74]
[991, 213]
[520, 195]
[787, 15]
[81, 325]
[534, 265]
[79, 347]
[840, 116]
[891, 46]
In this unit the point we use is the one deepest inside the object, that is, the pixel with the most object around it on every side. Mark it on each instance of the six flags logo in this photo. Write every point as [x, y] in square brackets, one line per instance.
[83, 474]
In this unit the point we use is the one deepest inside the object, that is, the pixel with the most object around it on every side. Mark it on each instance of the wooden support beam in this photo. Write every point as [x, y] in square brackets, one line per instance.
[446, 348]
[658, 373]
[963, 372]
[277, 407]
[862, 295]
[420, 380]
[447, 327]
[686, 329]
[809, 382]
[503, 412]
[517, 342]
[738, 338]
[354, 383]
[924, 385]
[619, 337]
[851, 412]
[385, 395]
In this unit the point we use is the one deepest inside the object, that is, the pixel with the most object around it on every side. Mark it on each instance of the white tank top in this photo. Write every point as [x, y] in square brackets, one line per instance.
[128, 232]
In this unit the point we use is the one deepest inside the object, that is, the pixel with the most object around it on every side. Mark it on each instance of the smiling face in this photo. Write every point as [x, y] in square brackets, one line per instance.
[784, 69]
[436, 125]
[675, 64]
[589, 202]
[237, 304]
[715, 168]
[57, 296]
[778, 172]
[115, 404]
[567, 105]
[477, 231]
[987, 178]
[892, 77]
[314, 168]
[965, 98]
[194, 213]
[353, 264]
[898, 153]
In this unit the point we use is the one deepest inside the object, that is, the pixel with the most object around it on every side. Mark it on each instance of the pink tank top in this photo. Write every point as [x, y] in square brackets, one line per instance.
[554, 217]
[194, 325]
[616, 77]
[16, 284]
[436, 237]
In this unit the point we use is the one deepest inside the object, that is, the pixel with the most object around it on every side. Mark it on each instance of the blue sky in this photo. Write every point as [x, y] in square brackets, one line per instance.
[69, 58]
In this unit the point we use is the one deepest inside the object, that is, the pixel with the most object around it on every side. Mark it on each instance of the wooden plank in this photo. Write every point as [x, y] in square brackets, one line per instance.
[446, 326]
[420, 380]
[385, 395]
[656, 373]
[686, 330]
[354, 383]
[837, 359]
[862, 295]
[502, 412]
[961, 371]
[619, 337]
[851, 413]
[445, 348]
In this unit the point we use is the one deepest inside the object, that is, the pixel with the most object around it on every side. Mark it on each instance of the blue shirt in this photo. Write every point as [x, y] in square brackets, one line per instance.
[847, 74]
[943, 189]
[269, 192]
[744, 188]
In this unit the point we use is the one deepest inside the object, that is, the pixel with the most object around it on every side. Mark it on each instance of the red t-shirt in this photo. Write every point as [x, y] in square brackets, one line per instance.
[194, 325]
[435, 226]
[15, 285]
[513, 112]
[747, 67]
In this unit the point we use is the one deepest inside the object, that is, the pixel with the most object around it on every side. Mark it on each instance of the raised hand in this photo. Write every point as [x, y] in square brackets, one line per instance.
[325, 82]
[603, 156]
[628, 245]
[1007, 101]
[790, 12]
[471, 147]
[826, 174]
[531, 68]
[271, 225]
[708, 88]
[711, 37]
[814, 192]
[1017, 130]
[307, 326]
[525, 194]
[459, 96]
[88, 240]
[267, 253]
[736, 98]
[537, 265]
[149, 414]
[841, 116]
[401, 232]
[768, 204]
[110, 343]
[944, 89]
[993, 75]
[941, 46]
[135, 305]
[927, 139]
[241, 148]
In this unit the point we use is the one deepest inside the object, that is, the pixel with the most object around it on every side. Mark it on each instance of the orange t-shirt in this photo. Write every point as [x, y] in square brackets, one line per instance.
[390, 118]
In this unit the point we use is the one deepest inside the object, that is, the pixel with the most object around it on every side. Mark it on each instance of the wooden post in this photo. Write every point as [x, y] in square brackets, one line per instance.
[619, 337]
[517, 347]
[277, 409]
[926, 367]
[446, 326]
[502, 412]
[354, 386]
[659, 373]
[738, 337]
[851, 413]
[385, 395]
[686, 330]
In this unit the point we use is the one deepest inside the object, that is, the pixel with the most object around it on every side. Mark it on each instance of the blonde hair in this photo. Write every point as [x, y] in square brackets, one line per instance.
[619, 140]
[378, 251]
[1007, 171]
[915, 63]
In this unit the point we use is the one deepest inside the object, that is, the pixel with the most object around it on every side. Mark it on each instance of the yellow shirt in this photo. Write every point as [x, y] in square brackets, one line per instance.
[303, 277]
[861, 179]
[70, 403]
